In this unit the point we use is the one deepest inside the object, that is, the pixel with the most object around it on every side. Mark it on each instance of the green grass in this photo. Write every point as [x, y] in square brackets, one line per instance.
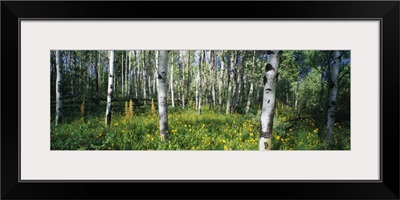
[190, 131]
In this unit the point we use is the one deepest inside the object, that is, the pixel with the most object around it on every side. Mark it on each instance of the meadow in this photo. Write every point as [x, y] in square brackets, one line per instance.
[137, 129]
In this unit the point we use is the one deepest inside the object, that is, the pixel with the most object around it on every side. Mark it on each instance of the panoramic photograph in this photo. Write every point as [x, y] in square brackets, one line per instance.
[220, 100]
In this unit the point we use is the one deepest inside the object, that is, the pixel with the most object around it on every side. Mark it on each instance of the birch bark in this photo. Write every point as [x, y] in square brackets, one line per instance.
[162, 94]
[110, 89]
[59, 100]
[333, 88]
[268, 106]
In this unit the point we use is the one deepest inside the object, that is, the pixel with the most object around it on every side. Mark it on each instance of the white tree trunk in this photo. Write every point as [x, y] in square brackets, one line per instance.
[144, 78]
[130, 73]
[183, 79]
[197, 91]
[200, 82]
[59, 100]
[126, 74]
[162, 94]
[149, 83]
[204, 78]
[172, 82]
[238, 88]
[333, 86]
[220, 78]
[122, 74]
[267, 114]
[239, 94]
[155, 82]
[297, 94]
[99, 68]
[212, 76]
[190, 74]
[136, 75]
[232, 77]
[249, 98]
[110, 88]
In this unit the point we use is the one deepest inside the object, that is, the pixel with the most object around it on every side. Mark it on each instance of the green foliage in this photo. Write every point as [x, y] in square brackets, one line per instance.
[190, 131]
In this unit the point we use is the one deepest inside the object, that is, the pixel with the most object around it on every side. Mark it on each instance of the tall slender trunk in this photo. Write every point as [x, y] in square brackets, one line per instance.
[183, 79]
[204, 79]
[220, 78]
[74, 74]
[81, 80]
[230, 83]
[126, 74]
[212, 76]
[189, 64]
[249, 98]
[333, 88]
[122, 74]
[137, 74]
[59, 100]
[86, 79]
[322, 92]
[234, 88]
[71, 69]
[297, 94]
[267, 114]
[130, 73]
[100, 70]
[200, 81]
[68, 65]
[197, 91]
[96, 74]
[155, 83]
[144, 76]
[162, 94]
[110, 89]
[240, 89]
[156, 72]
[172, 81]
[238, 80]
[148, 83]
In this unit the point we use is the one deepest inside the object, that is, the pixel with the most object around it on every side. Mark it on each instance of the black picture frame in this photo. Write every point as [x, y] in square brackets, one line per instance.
[386, 11]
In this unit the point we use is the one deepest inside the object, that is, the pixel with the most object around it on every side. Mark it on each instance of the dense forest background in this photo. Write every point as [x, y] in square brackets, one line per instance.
[214, 99]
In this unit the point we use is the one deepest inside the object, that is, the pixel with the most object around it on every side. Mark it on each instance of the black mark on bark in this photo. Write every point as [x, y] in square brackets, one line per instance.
[265, 134]
[270, 52]
[269, 67]
[331, 85]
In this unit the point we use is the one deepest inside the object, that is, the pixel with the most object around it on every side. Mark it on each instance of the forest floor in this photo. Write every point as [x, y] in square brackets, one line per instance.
[190, 131]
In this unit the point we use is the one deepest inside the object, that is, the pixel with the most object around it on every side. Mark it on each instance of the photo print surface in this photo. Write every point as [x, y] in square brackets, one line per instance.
[204, 99]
